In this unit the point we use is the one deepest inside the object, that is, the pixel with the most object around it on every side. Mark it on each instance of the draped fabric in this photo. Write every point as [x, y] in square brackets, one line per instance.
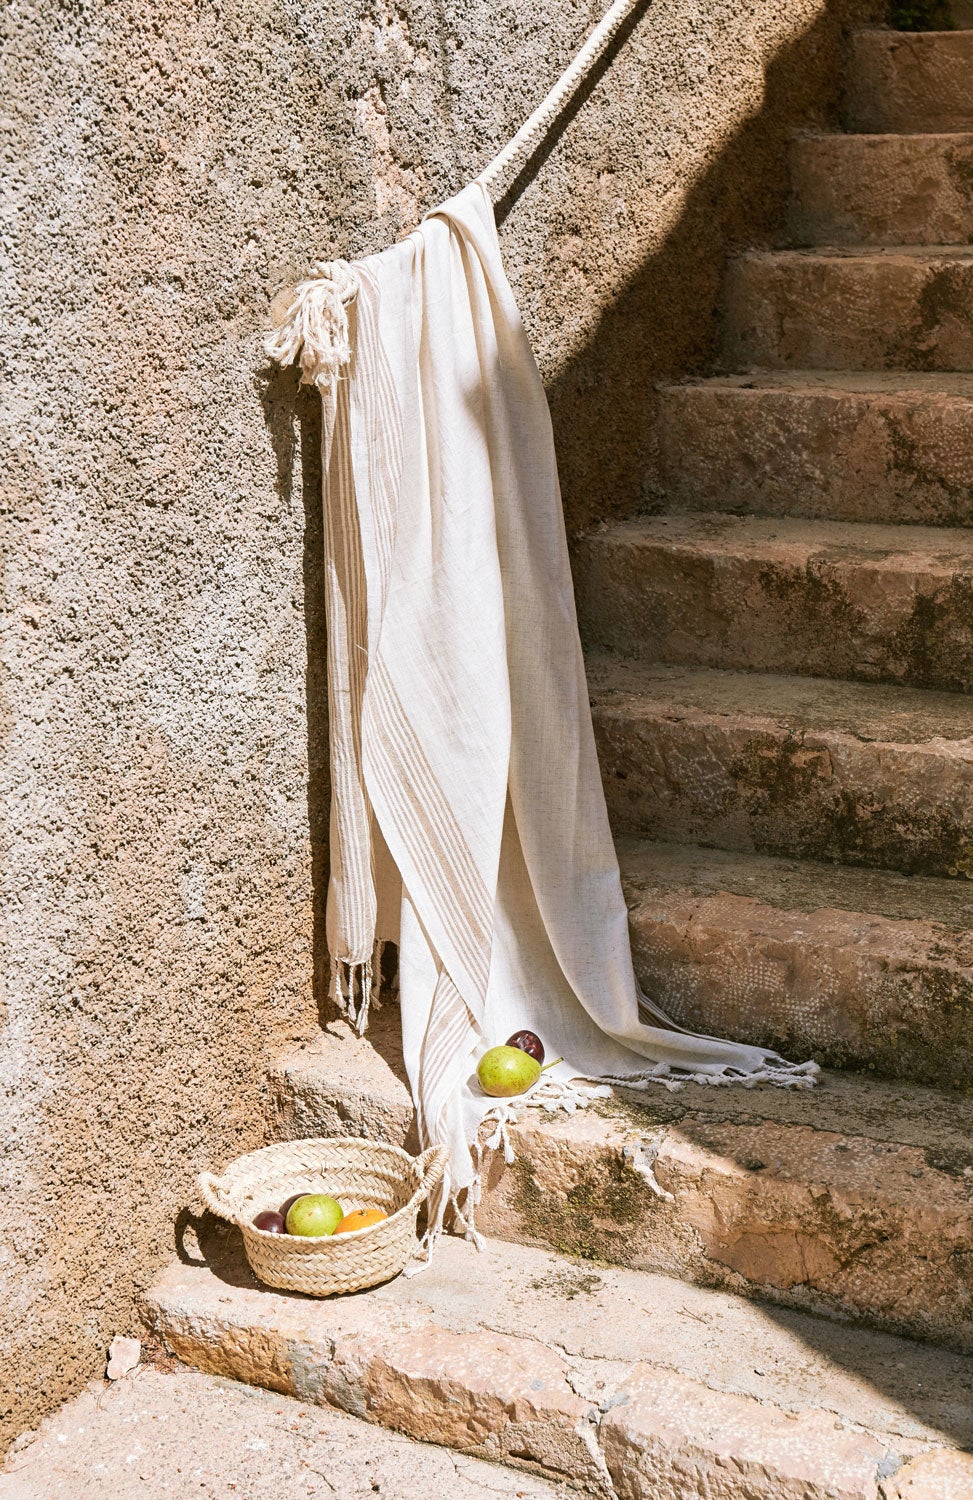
[468, 818]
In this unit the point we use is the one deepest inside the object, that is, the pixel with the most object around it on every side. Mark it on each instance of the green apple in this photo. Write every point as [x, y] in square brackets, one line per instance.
[314, 1215]
[506, 1071]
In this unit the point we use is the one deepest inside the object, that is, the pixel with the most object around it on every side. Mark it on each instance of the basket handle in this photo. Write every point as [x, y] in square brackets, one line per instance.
[431, 1165]
[211, 1189]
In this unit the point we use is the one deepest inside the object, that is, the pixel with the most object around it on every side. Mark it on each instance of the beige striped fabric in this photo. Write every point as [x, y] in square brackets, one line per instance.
[468, 814]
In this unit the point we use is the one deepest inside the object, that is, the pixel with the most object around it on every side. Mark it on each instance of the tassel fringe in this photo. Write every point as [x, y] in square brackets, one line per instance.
[315, 331]
[782, 1075]
[356, 988]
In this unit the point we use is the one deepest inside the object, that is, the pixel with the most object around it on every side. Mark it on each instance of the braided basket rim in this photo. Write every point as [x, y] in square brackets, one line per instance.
[347, 1145]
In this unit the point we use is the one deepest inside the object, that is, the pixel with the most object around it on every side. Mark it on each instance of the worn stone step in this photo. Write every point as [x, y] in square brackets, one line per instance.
[910, 81]
[829, 445]
[857, 968]
[164, 1434]
[794, 766]
[854, 1199]
[845, 308]
[781, 594]
[633, 1386]
[882, 189]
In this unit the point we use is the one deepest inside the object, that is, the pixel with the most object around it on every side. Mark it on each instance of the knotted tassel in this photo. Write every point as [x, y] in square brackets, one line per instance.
[315, 331]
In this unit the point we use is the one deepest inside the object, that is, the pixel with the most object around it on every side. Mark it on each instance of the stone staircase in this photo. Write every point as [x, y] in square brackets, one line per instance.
[732, 1294]
[782, 663]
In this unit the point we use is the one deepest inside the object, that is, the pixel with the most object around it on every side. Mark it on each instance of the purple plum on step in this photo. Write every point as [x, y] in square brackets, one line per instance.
[529, 1042]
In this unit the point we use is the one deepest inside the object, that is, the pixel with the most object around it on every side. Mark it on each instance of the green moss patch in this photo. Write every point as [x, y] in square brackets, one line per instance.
[588, 1220]
[921, 15]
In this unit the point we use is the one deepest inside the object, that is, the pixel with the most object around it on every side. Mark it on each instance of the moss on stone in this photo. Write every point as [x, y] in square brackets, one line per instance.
[645, 1111]
[585, 1222]
[921, 15]
[951, 1160]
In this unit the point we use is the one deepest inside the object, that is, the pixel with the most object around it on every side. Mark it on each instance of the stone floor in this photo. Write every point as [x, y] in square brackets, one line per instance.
[162, 1433]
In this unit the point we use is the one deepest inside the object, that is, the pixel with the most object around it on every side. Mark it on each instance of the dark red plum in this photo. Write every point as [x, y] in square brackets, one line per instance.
[528, 1042]
[270, 1222]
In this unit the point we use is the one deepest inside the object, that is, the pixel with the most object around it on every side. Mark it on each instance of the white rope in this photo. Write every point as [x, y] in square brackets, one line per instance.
[497, 176]
[315, 330]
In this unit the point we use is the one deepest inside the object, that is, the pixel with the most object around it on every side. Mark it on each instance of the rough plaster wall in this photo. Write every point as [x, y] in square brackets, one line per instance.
[169, 167]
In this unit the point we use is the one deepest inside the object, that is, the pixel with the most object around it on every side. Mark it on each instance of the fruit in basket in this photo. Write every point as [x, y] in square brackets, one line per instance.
[314, 1215]
[285, 1208]
[529, 1042]
[270, 1222]
[506, 1071]
[360, 1218]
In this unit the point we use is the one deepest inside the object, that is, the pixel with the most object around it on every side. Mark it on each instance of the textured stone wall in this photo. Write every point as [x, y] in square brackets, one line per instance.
[168, 168]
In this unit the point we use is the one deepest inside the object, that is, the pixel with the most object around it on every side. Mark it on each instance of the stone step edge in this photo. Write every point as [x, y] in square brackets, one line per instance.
[865, 776]
[874, 544]
[919, 386]
[782, 595]
[848, 1201]
[858, 254]
[642, 1430]
[848, 987]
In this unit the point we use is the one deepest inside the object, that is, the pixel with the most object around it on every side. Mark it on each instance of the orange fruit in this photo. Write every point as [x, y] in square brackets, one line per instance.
[360, 1218]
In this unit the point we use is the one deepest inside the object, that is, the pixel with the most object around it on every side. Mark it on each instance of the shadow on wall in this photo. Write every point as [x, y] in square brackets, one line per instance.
[293, 417]
[666, 323]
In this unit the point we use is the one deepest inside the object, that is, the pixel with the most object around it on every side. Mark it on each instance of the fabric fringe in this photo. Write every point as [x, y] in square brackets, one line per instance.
[569, 1095]
[375, 997]
[356, 988]
[315, 332]
[460, 1207]
[780, 1074]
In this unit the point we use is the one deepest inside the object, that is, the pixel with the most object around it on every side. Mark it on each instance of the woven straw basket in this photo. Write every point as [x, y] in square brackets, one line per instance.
[360, 1174]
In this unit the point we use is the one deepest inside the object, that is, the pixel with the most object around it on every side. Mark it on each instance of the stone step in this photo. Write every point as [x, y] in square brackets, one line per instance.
[854, 1199]
[844, 308]
[883, 447]
[910, 81]
[162, 1434]
[794, 766]
[632, 1386]
[882, 190]
[856, 968]
[822, 598]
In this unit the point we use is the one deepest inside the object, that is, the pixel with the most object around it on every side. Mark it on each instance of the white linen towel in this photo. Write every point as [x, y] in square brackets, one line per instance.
[468, 816]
